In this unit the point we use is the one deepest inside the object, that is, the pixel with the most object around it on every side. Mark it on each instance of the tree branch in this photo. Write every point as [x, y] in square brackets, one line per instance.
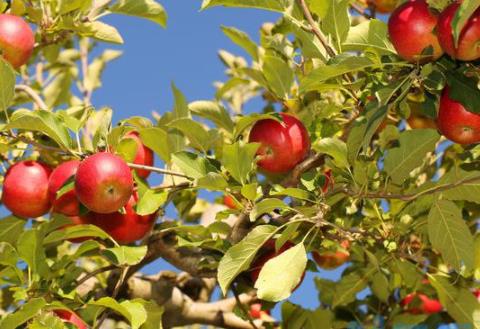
[158, 170]
[323, 40]
[37, 100]
[182, 310]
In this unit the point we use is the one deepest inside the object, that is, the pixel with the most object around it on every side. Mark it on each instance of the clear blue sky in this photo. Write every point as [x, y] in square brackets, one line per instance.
[185, 53]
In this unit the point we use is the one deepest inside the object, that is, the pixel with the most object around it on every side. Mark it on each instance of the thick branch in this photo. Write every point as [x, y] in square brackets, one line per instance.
[313, 161]
[33, 95]
[181, 310]
[161, 245]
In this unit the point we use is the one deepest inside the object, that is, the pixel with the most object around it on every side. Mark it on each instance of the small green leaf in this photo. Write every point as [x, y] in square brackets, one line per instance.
[238, 258]
[279, 75]
[26, 312]
[156, 139]
[274, 5]
[266, 206]
[125, 255]
[281, 274]
[242, 39]
[73, 232]
[238, 160]
[148, 9]
[10, 228]
[214, 112]
[192, 165]
[335, 148]
[7, 84]
[30, 249]
[150, 202]
[133, 311]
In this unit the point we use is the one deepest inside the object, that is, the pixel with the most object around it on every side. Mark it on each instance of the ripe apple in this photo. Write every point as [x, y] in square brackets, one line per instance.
[16, 40]
[67, 204]
[282, 144]
[330, 260]
[229, 202]
[383, 6]
[467, 49]
[256, 311]
[124, 228]
[416, 303]
[70, 317]
[25, 189]
[104, 183]
[412, 30]
[144, 155]
[456, 123]
[268, 252]
[476, 293]
[418, 120]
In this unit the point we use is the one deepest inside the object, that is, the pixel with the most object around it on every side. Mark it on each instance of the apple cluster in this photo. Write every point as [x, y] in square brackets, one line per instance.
[93, 191]
[420, 35]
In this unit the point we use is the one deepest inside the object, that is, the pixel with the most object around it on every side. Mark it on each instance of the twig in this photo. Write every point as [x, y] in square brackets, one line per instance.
[242, 306]
[331, 52]
[95, 273]
[33, 95]
[410, 197]
[158, 170]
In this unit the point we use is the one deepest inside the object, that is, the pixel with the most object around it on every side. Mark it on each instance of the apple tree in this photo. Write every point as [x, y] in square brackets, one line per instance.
[363, 156]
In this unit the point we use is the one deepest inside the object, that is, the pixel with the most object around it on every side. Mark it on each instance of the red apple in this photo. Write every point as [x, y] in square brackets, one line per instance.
[383, 6]
[67, 204]
[104, 183]
[412, 30]
[456, 123]
[416, 303]
[144, 155]
[16, 40]
[330, 260]
[256, 311]
[229, 202]
[268, 252]
[467, 48]
[476, 293]
[124, 228]
[282, 144]
[70, 317]
[25, 189]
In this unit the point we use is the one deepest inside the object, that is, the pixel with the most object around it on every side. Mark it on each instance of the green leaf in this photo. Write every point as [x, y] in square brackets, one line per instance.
[369, 34]
[42, 121]
[154, 315]
[133, 311]
[196, 133]
[125, 255]
[101, 31]
[127, 149]
[281, 274]
[7, 84]
[335, 148]
[238, 160]
[414, 145]
[96, 68]
[295, 317]
[26, 312]
[212, 181]
[274, 5]
[380, 287]
[242, 39]
[214, 112]
[464, 90]
[177, 140]
[266, 206]
[10, 228]
[463, 14]
[292, 192]
[249, 120]
[192, 164]
[351, 284]
[73, 232]
[318, 76]
[460, 303]
[156, 139]
[469, 191]
[238, 258]
[148, 9]
[151, 201]
[30, 249]
[279, 75]
[336, 22]
[449, 234]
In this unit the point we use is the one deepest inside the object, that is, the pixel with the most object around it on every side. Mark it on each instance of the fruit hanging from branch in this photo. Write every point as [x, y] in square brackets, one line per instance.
[16, 40]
